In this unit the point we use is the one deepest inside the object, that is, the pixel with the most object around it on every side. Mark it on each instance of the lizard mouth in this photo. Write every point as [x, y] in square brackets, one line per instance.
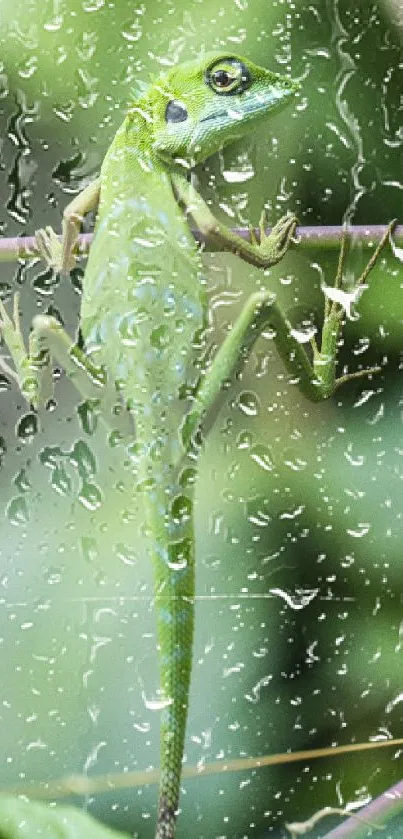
[217, 115]
[251, 106]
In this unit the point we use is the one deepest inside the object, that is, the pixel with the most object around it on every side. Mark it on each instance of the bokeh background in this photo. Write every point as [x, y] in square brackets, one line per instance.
[299, 507]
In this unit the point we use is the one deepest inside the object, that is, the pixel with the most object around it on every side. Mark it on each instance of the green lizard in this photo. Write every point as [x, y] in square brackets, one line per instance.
[143, 319]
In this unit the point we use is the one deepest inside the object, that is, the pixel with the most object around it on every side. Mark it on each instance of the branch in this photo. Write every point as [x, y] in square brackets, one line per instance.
[379, 811]
[325, 238]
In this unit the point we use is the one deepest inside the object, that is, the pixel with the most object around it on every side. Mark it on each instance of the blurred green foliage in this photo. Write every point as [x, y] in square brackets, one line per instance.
[21, 819]
[299, 511]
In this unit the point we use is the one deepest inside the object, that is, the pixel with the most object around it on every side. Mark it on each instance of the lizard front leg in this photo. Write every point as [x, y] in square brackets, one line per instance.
[48, 340]
[264, 254]
[316, 376]
[59, 255]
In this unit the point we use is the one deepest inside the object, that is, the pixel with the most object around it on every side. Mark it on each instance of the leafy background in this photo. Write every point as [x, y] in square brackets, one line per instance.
[299, 511]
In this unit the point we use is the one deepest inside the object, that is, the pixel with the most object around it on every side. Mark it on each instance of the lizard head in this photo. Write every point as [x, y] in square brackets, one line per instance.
[200, 106]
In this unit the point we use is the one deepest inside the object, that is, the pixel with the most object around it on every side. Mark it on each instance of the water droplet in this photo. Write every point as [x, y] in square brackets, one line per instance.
[115, 438]
[160, 337]
[296, 464]
[27, 427]
[21, 481]
[90, 496]
[187, 477]
[128, 329]
[143, 727]
[259, 518]
[365, 396]
[362, 529]
[397, 700]
[46, 282]
[156, 704]
[125, 554]
[64, 111]
[357, 460]
[53, 576]
[294, 514]
[17, 510]
[132, 30]
[4, 89]
[54, 25]
[346, 299]
[89, 548]
[254, 696]
[238, 176]
[3, 449]
[244, 440]
[85, 86]
[88, 414]
[303, 336]
[50, 456]
[248, 403]
[92, 5]
[60, 481]
[347, 562]
[83, 459]
[179, 553]
[298, 599]
[4, 383]
[363, 346]
[181, 509]
[262, 456]
[5, 291]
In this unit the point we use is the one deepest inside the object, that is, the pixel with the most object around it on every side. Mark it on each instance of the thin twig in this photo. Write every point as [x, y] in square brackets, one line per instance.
[84, 785]
[297, 829]
[325, 238]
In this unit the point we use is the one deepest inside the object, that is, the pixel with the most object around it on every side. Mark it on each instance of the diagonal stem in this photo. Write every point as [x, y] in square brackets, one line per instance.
[376, 253]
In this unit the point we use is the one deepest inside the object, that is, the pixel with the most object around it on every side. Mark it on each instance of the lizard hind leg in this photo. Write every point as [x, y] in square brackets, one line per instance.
[31, 366]
[33, 372]
[90, 380]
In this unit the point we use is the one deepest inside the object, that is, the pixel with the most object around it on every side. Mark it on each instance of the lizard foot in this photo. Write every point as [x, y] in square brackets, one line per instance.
[24, 373]
[275, 244]
[51, 250]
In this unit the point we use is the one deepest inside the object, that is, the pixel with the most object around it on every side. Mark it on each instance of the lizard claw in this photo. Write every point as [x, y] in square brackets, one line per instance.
[50, 249]
[5, 368]
[275, 244]
[10, 331]
[263, 224]
[252, 236]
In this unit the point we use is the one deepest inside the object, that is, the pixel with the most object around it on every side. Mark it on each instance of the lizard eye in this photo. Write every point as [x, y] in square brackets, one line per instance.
[221, 78]
[228, 76]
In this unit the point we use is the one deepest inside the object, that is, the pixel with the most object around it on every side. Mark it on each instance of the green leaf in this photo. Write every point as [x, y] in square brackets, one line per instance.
[22, 819]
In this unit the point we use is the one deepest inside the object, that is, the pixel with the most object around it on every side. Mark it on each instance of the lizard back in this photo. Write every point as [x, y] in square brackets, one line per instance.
[142, 308]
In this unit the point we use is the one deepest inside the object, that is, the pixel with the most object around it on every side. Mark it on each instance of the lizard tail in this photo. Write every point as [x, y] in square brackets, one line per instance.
[174, 570]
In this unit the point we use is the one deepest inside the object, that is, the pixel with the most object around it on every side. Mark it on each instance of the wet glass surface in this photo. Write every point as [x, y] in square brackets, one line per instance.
[298, 505]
